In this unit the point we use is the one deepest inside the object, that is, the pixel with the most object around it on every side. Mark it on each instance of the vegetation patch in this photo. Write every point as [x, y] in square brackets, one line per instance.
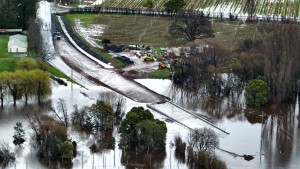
[3, 47]
[86, 18]
[58, 73]
[160, 74]
[8, 65]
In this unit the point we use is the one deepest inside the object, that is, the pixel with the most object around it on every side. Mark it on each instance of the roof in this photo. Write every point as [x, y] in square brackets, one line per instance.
[17, 42]
[10, 30]
[19, 37]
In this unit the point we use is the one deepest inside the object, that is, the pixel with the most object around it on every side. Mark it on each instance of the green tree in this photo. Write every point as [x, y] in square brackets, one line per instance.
[3, 86]
[140, 128]
[152, 134]
[173, 6]
[26, 82]
[67, 149]
[191, 26]
[149, 4]
[15, 13]
[257, 92]
[104, 114]
[41, 84]
[27, 64]
[14, 84]
[19, 134]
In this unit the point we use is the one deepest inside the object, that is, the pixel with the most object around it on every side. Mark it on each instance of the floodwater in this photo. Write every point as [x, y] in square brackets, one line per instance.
[278, 147]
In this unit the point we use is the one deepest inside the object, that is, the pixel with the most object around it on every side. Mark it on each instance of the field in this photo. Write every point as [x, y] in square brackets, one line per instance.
[7, 63]
[153, 31]
[128, 29]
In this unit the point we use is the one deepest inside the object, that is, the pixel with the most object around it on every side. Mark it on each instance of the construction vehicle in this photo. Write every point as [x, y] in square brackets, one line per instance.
[149, 58]
[162, 65]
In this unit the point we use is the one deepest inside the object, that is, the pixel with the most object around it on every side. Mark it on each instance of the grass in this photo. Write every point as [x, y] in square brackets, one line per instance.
[8, 65]
[129, 29]
[3, 47]
[86, 18]
[107, 56]
[160, 74]
[57, 73]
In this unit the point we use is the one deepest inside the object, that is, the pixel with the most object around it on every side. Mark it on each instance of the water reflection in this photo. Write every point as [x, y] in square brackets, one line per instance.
[133, 158]
[280, 126]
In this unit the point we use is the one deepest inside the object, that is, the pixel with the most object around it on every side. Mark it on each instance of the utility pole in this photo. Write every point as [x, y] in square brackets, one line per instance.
[261, 139]
[71, 77]
[172, 88]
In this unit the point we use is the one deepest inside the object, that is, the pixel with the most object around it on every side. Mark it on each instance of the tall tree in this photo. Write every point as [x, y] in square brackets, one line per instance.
[42, 85]
[173, 6]
[15, 13]
[3, 86]
[140, 128]
[14, 84]
[104, 114]
[282, 52]
[191, 26]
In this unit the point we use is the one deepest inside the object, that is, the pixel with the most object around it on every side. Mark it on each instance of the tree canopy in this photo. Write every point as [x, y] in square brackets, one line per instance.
[257, 92]
[30, 80]
[15, 14]
[104, 114]
[191, 26]
[173, 6]
[140, 128]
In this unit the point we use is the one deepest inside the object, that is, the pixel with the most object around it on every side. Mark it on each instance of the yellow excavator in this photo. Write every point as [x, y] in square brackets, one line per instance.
[149, 58]
[162, 65]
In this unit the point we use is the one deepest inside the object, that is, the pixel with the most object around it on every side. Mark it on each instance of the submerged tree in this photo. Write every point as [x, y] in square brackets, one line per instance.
[282, 53]
[257, 92]
[19, 134]
[203, 139]
[140, 128]
[103, 113]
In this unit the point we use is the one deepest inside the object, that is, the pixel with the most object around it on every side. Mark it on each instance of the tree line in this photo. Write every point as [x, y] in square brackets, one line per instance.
[15, 14]
[31, 80]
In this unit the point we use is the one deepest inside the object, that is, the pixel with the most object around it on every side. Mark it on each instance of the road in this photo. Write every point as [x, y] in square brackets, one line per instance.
[86, 71]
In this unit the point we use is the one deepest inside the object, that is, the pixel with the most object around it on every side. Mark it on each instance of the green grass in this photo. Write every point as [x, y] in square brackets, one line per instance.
[156, 50]
[3, 47]
[57, 73]
[86, 18]
[129, 29]
[160, 74]
[107, 56]
[8, 65]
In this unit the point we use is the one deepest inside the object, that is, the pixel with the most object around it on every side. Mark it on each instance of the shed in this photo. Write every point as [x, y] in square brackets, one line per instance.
[19, 37]
[17, 43]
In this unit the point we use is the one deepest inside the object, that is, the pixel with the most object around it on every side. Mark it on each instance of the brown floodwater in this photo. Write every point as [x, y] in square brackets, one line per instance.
[272, 139]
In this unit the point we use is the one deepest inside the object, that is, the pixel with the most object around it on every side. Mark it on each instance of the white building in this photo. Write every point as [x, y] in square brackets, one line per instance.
[17, 44]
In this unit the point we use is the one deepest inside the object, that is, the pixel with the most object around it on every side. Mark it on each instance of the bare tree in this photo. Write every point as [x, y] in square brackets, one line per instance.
[61, 111]
[118, 102]
[203, 139]
[80, 117]
[6, 156]
[191, 26]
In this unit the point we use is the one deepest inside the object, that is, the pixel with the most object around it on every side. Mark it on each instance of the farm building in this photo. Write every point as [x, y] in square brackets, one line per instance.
[17, 44]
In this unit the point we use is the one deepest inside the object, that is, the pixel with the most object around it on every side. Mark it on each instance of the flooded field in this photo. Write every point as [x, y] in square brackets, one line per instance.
[278, 147]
